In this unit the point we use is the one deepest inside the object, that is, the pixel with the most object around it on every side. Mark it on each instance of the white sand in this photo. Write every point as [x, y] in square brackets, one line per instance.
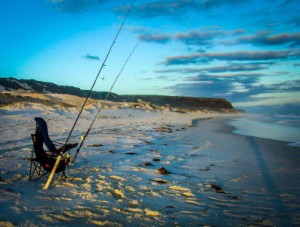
[116, 182]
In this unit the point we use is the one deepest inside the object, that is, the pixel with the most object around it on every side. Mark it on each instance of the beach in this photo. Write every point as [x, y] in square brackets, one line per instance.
[149, 168]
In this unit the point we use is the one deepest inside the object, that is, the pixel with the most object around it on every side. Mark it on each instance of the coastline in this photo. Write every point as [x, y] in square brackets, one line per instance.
[213, 176]
[262, 173]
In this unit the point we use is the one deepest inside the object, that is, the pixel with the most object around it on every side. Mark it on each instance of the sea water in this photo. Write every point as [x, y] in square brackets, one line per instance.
[277, 127]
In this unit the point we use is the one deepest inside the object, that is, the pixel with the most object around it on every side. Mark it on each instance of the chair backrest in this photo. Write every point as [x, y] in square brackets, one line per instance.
[42, 134]
[38, 147]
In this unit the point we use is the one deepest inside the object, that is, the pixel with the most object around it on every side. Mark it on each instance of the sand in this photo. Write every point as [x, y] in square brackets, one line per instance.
[212, 177]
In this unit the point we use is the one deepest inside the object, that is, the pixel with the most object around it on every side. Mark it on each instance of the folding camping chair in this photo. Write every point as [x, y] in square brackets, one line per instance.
[41, 161]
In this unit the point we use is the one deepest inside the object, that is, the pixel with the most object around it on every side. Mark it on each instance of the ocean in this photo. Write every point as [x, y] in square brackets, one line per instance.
[277, 127]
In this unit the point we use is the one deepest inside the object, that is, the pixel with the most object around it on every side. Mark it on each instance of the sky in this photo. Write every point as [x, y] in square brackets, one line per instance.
[245, 51]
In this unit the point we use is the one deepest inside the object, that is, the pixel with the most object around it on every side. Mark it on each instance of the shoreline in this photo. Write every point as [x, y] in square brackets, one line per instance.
[249, 169]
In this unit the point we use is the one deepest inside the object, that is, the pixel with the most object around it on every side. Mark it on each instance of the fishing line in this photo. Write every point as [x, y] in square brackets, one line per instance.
[87, 97]
[101, 107]
[100, 70]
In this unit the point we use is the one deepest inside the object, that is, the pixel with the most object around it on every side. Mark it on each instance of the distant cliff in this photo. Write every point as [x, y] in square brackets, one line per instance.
[179, 102]
[188, 103]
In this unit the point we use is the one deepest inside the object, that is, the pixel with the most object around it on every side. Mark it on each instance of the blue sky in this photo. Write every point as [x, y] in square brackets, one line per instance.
[245, 51]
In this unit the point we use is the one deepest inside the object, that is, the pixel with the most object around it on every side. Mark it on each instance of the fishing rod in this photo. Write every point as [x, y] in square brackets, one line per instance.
[87, 97]
[101, 107]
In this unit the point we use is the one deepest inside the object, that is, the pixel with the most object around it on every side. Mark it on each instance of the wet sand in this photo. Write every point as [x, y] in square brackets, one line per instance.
[260, 174]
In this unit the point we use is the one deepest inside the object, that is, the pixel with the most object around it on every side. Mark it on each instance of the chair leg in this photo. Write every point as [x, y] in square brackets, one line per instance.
[30, 173]
[63, 175]
[31, 163]
[35, 169]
